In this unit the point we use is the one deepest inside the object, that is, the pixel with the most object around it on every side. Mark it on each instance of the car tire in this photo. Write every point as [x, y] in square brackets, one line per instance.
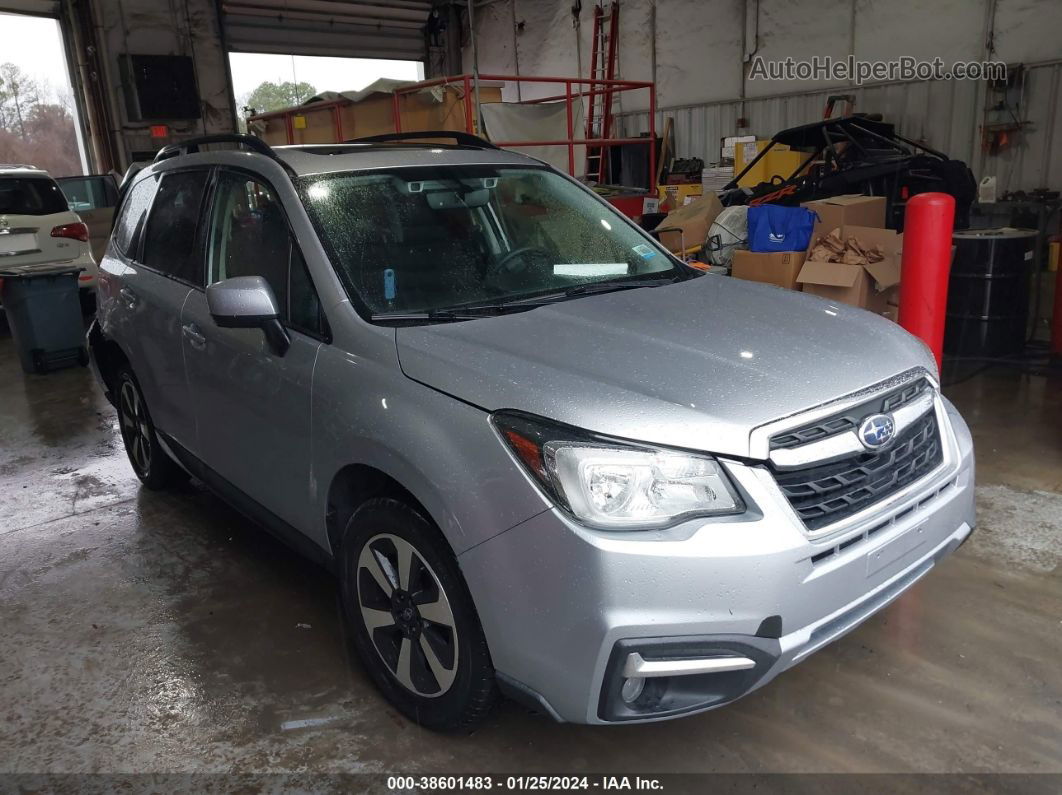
[150, 462]
[411, 618]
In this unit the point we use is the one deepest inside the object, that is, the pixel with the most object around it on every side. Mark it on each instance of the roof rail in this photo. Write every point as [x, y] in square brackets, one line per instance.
[462, 138]
[191, 146]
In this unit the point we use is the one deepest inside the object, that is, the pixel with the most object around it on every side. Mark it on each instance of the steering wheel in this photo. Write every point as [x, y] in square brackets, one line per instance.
[520, 267]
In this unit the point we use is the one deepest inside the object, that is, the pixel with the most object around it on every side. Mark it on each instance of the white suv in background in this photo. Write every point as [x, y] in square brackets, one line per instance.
[37, 226]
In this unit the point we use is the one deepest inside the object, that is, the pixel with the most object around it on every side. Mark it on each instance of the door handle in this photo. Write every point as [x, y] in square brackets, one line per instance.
[195, 337]
[129, 296]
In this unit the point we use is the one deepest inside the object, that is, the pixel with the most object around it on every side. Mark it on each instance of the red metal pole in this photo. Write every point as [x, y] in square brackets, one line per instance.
[1056, 321]
[468, 105]
[571, 132]
[652, 140]
[927, 229]
[396, 111]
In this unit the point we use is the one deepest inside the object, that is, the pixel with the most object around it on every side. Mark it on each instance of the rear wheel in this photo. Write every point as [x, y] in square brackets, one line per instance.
[150, 462]
[413, 622]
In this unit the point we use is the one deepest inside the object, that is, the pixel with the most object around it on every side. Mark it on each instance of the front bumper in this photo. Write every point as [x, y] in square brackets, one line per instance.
[564, 607]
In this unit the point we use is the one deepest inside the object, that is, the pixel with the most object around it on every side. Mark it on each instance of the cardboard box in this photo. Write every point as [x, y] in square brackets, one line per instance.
[726, 151]
[716, 178]
[779, 268]
[868, 286]
[694, 219]
[677, 194]
[852, 209]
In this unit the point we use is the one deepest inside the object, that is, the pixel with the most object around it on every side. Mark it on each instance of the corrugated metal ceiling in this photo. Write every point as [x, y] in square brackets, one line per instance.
[366, 29]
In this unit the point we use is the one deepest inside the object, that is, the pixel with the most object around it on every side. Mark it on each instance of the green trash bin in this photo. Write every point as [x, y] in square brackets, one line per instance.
[44, 314]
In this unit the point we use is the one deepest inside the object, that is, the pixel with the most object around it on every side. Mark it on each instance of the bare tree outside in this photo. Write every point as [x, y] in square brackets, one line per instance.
[37, 124]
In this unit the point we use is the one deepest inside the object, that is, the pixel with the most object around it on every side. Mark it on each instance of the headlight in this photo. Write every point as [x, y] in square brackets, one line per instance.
[618, 486]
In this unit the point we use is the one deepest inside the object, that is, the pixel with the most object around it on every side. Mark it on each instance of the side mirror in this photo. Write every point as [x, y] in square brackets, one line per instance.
[248, 302]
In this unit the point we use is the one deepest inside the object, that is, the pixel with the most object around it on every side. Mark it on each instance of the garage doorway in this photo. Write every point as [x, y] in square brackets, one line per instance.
[284, 52]
[263, 82]
[39, 123]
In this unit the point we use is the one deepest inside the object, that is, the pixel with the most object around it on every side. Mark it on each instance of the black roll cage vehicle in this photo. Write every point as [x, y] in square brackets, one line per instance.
[859, 153]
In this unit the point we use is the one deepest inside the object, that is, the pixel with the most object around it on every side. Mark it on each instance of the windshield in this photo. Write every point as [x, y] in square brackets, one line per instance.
[423, 239]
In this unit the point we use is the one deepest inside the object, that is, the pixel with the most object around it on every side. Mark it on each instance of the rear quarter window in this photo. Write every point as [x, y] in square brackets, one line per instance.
[31, 196]
[130, 221]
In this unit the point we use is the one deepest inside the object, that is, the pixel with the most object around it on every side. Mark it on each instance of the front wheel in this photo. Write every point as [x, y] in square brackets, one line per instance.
[413, 622]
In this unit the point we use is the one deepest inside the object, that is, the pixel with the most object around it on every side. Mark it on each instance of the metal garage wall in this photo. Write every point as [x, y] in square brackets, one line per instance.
[327, 27]
[946, 115]
[694, 51]
[101, 31]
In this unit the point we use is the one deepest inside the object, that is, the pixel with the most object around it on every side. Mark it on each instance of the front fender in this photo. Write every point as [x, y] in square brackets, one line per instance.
[443, 451]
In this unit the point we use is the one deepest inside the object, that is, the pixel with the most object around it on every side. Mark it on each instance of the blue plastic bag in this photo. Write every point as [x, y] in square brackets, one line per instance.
[773, 227]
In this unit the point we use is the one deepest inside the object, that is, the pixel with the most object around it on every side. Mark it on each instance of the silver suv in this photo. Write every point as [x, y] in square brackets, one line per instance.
[542, 456]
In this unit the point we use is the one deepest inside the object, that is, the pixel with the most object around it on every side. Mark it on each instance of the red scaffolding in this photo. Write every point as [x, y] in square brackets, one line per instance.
[597, 87]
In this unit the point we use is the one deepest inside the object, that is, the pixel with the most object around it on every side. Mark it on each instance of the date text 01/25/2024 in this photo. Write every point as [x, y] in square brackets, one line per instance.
[521, 783]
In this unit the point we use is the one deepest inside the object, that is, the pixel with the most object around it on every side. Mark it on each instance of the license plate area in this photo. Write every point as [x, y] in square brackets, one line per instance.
[18, 243]
[896, 549]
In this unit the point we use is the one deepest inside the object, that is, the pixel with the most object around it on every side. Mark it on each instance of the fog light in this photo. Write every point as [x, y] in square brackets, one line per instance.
[632, 688]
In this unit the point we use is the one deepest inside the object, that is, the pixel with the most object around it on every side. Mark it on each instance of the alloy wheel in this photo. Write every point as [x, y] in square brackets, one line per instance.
[135, 429]
[407, 615]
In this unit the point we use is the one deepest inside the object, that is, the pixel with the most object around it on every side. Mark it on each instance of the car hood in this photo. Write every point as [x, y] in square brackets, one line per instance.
[696, 364]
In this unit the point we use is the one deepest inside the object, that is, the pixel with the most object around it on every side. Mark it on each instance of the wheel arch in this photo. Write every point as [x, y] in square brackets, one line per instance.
[108, 357]
[352, 486]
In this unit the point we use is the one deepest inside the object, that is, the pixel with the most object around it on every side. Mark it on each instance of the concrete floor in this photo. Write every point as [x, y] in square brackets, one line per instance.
[163, 632]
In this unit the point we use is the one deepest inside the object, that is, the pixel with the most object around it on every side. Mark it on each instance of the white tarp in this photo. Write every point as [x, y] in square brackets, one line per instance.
[385, 85]
[545, 121]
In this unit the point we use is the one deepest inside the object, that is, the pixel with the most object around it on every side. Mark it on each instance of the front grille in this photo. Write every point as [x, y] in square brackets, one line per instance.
[850, 419]
[826, 493]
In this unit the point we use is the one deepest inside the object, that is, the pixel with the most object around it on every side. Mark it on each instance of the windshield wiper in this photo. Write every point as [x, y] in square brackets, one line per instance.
[439, 315]
[592, 288]
[475, 311]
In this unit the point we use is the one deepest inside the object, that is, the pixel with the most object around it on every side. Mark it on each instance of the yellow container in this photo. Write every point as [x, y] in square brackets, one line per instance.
[678, 193]
[780, 161]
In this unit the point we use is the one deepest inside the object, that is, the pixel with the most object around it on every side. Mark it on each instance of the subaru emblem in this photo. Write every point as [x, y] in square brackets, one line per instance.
[876, 431]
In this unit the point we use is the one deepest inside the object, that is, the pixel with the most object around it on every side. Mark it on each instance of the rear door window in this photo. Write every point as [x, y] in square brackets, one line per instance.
[31, 196]
[171, 235]
[130, 221]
